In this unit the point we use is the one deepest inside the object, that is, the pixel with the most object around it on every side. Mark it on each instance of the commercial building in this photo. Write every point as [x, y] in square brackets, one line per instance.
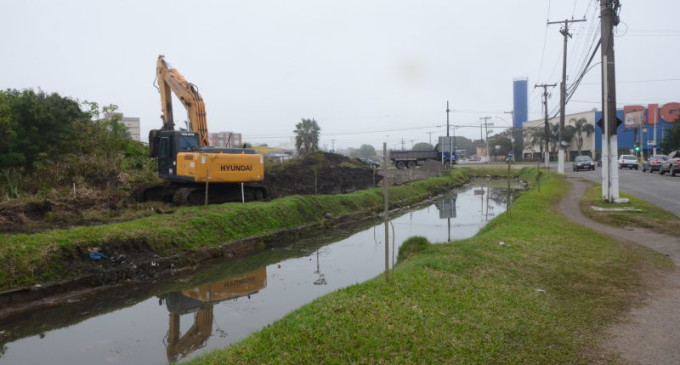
[639, 126]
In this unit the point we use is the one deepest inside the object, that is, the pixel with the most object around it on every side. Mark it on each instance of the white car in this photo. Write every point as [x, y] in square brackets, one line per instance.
[628, 161]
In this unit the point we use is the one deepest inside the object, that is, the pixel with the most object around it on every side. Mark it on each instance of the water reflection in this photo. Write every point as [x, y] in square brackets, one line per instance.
[200, 301]
[242, 296]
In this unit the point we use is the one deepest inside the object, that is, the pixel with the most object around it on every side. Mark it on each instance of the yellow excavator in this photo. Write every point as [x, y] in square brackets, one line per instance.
[194, 171]
[200, 301]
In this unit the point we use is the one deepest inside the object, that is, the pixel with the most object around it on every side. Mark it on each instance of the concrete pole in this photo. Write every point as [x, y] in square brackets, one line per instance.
[610, 172]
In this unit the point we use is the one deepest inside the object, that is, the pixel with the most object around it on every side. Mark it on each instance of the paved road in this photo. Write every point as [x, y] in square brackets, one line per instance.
[663, 191]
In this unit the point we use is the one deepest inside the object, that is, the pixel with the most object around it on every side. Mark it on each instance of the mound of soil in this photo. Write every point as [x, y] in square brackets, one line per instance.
[319, 173]
[83, 208]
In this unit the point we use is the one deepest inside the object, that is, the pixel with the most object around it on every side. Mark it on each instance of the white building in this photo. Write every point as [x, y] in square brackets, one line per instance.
[225, 139]
[532, 151]
[130, 123]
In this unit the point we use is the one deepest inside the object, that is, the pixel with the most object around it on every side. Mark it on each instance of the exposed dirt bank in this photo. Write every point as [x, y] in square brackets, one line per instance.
[132, 256]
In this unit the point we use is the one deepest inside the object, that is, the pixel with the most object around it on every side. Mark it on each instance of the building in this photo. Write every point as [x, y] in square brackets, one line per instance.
[639, 126]
[225, 139]
[130, 123]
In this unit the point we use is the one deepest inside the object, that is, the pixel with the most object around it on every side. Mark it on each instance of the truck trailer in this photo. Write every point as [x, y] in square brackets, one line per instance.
[412, 158]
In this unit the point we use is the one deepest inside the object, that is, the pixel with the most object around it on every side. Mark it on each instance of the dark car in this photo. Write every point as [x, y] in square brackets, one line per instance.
[370, 162]
[629, 161]
[672, 164]
[583, 163]
[653, 163]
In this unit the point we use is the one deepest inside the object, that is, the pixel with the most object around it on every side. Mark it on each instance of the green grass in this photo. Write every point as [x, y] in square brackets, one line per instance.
[642, 215]
[543, 297]
[26, 259]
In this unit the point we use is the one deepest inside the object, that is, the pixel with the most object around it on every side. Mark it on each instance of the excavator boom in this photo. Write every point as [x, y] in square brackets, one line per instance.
[170, 80]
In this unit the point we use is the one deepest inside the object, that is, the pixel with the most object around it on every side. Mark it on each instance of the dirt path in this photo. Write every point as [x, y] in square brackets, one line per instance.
[650, 332]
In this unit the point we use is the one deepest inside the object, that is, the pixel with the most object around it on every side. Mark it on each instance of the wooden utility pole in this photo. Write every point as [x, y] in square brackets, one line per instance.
[563, 90]
[546, 152]
[387, 214]
[610, 122]
[486, 132]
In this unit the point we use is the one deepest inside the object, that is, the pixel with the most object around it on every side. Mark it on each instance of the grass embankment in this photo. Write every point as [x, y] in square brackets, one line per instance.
[641, 213]
[57, 255]
[543, 296]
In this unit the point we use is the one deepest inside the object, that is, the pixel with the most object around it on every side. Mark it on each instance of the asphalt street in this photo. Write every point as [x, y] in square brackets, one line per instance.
[660, 190]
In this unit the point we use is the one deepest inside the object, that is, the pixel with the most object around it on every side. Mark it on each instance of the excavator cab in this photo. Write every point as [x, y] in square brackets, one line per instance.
[165, 145]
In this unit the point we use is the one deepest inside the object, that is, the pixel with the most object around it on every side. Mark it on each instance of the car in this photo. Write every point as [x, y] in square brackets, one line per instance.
[671, 165]
[370, 162]
[628, 161]
[653, 163]
[583, 163]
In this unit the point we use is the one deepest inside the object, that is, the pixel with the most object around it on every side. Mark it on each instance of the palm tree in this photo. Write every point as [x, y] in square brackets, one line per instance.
[534, 136]
[554, 136]
[307, 136]
[582, 126]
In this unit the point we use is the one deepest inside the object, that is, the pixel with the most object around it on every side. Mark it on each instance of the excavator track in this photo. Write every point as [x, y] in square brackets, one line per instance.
[181, 194]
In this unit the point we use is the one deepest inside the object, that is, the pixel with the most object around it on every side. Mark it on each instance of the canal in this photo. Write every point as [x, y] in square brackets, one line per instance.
[211, 309]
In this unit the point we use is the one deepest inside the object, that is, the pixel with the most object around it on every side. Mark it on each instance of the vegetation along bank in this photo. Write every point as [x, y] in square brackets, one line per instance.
[146, 247]
[531, 287]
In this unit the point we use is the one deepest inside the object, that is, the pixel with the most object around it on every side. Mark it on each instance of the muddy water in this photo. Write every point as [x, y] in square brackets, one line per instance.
[226, 302]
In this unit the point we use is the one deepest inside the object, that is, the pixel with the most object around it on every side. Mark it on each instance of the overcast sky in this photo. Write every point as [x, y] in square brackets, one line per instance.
[368, 71]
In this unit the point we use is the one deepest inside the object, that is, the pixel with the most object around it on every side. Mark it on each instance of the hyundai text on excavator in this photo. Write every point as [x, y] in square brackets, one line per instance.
[194, 171]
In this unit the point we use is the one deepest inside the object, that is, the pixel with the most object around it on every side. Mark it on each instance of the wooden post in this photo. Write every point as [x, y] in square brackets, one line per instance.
[387, 219]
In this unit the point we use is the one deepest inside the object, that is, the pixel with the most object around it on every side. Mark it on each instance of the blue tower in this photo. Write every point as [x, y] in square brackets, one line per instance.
[520, 114]
[520, 104]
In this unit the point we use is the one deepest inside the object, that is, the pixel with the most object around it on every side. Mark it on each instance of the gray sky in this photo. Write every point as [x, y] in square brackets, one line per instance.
[368, 71]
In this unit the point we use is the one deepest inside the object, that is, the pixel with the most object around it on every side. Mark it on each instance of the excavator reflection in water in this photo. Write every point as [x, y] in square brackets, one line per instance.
[201, 301]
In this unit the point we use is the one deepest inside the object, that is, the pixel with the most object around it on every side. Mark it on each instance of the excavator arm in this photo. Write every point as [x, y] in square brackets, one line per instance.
[172, 81]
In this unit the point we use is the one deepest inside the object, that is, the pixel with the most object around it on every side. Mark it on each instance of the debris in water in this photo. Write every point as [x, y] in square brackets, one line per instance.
[320, 281]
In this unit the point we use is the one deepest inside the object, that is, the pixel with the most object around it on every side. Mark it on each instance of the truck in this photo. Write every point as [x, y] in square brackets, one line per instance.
[412, 158]
[195, 172]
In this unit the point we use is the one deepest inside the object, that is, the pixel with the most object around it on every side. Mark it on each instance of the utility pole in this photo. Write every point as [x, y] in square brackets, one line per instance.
[610, 122]
[563, 90]
[516, 140]
[486, 128]
[333, 144]
[546, 152]
[430, 133]
[447, 118]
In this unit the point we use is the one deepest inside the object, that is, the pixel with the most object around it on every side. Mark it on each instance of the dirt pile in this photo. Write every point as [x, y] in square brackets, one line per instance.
[319, 173]
[84, 207]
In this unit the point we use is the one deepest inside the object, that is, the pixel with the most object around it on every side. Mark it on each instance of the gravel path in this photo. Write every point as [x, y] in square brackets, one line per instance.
[650, 332]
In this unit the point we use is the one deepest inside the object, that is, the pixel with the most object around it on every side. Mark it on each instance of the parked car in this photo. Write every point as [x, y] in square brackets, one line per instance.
[628, 161]
[369, 162]
[583, 163]
[672, 164]
[653, 163]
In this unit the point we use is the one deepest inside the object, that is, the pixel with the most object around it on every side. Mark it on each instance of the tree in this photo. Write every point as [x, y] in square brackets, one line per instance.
[582, 126]
[535, 136]
[503, 140]
[307, 136]
[423, 146]
[671, 141]
[366, 151]
[554, 136]
[39, 127]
